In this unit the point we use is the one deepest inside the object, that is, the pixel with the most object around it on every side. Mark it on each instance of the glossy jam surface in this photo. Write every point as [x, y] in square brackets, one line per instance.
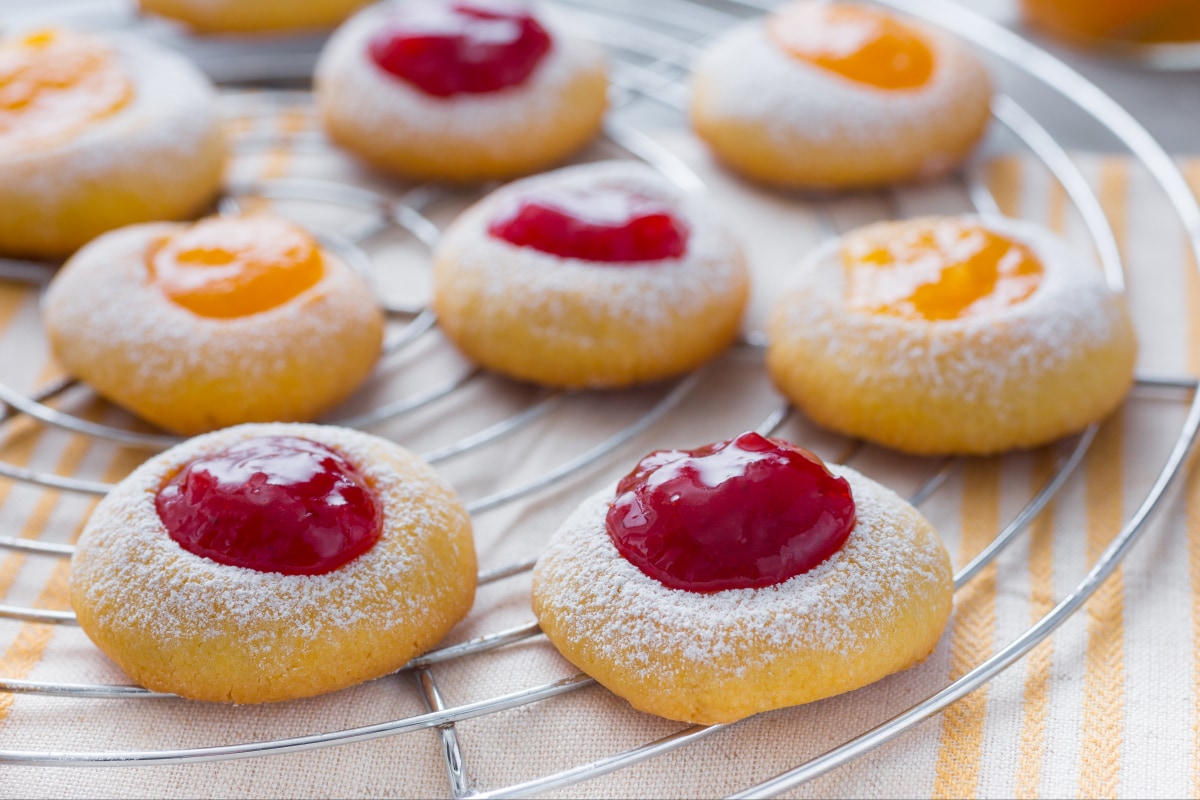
[273, 504]
[226, 267]
[943, 270]
[859, 43]
[602, 223]
[746, 513]
[447, 49]
[53, 85]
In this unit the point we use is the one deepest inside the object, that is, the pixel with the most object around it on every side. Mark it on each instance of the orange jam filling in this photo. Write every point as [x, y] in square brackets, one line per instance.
[225, 267]
[938, 271]
[54, 84]
[858, 43]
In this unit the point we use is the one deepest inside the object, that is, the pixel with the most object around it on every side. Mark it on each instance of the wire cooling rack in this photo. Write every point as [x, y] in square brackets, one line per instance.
[652, 45]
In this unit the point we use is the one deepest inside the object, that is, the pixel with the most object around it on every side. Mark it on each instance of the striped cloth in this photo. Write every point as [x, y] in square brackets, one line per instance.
[1106, 708]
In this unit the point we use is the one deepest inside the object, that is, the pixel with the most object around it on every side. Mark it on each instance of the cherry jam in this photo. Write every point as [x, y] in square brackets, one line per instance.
[272, 504]
[475, 47]
[605, 224]
[741, 514]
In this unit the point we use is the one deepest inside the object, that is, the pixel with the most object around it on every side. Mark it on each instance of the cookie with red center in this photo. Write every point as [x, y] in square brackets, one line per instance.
[100, 133]
[600, 275]
[839, 95]
[739, 577]
[270, 562]
[952, 335]
[461, 90]
[225, 321]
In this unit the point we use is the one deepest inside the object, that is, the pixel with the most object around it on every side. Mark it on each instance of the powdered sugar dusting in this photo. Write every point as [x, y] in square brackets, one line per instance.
[645, 296]
[170, 121]
[374, 99]
[841, 606]
[748, 76]
[143, 581]
[112, 327]
[1072, 310]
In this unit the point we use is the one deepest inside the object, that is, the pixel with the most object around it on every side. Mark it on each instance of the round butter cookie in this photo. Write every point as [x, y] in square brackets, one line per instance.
[202, 326]
[823, 95]
[599, 275]
[96, 134]
[271, 562]
[470, 90]
[253, 16]
[951, 335]
[741, 577]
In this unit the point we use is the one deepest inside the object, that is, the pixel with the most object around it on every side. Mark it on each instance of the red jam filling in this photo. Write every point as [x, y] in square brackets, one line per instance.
[472, 47]
[272, 504]
[595, 224]
[741, 514]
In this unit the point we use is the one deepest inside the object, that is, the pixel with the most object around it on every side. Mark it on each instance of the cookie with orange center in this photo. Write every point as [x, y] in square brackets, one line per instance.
[260, 16]
[270, 562]
[461, 90]
[228, 320]
[594, 276]
[739, 577]
[96, 134]
[838, 95]
[1097, 22]
[952, 335]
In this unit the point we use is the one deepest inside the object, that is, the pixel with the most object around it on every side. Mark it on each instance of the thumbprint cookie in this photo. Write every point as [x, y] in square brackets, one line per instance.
[739, 577]
[952, 335]
[599, 276]
[462, 90]
[271, 562]
[227, 320]
[820, 95]
[97, 134]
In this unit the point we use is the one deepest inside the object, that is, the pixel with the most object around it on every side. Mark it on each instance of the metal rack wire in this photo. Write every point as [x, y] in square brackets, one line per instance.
[652, 45]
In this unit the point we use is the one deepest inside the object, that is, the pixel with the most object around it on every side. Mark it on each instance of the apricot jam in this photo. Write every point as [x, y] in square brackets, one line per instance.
[53, 85]
[226, 267]
[745, 513]
[858, 43]
[272, 504]
[605, 224]
[942, 270]
[474, 47]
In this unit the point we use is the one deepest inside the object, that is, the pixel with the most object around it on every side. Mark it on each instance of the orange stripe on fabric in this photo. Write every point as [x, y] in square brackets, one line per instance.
[1036, 693]
[17, 449]
[961, 749]
[12, 297]
[1004, 181]
[17, 446]
[1192, 492]
[1103, 720]
[1056, 208]
[25, 650]
[279, 159]
[35, 523]
[239, 125]
[31, 641]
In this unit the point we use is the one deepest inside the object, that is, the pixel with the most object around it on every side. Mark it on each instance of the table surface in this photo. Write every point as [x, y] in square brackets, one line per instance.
[1106, 708]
